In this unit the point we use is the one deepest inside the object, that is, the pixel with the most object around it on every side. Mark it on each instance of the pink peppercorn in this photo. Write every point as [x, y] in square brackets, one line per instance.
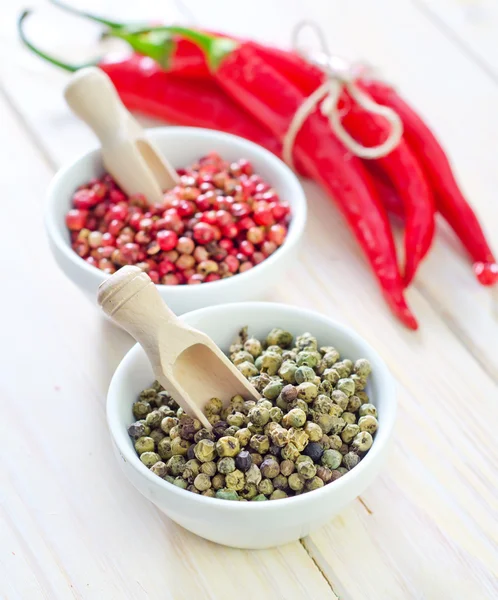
[167, 239]
[203, 233]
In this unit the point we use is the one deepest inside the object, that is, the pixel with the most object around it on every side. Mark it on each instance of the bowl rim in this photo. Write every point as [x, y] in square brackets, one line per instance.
[384, 433]
[295, 232]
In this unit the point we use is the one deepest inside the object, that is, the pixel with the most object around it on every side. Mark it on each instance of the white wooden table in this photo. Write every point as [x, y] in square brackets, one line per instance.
[72, 527]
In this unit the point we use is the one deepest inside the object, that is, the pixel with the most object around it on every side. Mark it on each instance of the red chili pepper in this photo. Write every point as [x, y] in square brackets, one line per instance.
[401, 166]
[449, 199]
[273, 100]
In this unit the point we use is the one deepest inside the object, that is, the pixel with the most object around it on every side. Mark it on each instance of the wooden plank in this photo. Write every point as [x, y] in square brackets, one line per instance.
[432, 521]
[472, 24]
[71, 526]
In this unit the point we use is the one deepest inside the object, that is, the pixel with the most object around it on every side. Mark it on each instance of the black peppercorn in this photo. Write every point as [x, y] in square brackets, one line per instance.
[190, 452]
[219, 429]
[314, 450]
[243, 461]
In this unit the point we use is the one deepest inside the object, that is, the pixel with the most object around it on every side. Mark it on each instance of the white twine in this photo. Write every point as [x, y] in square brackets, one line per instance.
[341, 75]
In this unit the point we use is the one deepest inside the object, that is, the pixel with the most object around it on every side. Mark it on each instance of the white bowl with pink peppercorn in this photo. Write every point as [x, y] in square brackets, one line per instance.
[233, 225]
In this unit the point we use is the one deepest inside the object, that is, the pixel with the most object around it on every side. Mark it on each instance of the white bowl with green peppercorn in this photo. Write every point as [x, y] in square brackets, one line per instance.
[326, 416]
[183, 146]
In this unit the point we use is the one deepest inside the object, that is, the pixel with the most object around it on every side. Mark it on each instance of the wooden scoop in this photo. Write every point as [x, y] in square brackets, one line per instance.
[186, 362]
[132, 159]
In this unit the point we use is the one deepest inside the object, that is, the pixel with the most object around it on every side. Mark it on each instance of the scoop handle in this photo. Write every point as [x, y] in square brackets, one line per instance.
[130, 299]
[94, 99]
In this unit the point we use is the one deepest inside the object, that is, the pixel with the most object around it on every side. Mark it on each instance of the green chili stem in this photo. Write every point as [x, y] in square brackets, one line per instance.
[51, 59]
[82, 13]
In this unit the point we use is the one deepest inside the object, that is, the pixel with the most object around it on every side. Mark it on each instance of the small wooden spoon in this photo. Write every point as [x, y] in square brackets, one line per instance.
[128, 155]
[186, 362]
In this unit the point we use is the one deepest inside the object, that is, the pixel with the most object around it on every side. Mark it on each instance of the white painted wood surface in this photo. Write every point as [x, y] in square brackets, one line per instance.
[71, 527]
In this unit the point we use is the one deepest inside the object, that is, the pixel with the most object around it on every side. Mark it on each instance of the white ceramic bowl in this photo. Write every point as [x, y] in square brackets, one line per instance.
[183, 145]
[252, 524]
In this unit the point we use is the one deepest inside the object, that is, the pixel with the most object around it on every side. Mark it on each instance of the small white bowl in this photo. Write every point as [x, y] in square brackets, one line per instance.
[252, 524]
[182, 146]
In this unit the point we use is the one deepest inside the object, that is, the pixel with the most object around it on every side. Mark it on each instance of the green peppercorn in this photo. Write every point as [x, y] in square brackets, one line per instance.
[294, 418]
[335, 442]
[209, 468]
[225, 494]
[180, 482]
[360, 383]
[247, 369]
[331, 459]
[306, 340]
[192, 468]
[349, 432]
[259, 498]
[136, 430]
[169, 479]
[149, 458]
[253, 475]
[213, 407]
[363, 396]
[227, 446]
[253, 346]
[256, 458]
[289, 355]
[235, 480]
[349, 417]
[249, 492]
[280, 482]
[338, 424]
[287, 467]
[362, 367]
[174, 432]
[344, 449]
[159, 469]
[241, 356]
[270, 363]
[299, 404]
[218, 481]
[340, 398]
[325, 388]
[306, 469]
[202, 482]
[367, 409]
[265, 487]
[276, 414]
[274, 348]
[244, 436]
[179, 446]
[210, 493]
[279, 436]
[148, 394]
[193, 489]
[259, 415]
[290, 452]
[176, 465]
[226, 465]
[350, 460]
[278, 495]
[330, 375]
[313, 431]
[325, 442]
[344, 367]
[342, 470]
[236, 419]
[279, 337]
[141, 409]
[296, 482]
[144, 444]
[336, 410]
[299, 438]
[324, 473]
[353, 404]
[368, 423]
[287, 371]
[314, 483]
[308, 359]
[270, 468]
[157, 435]
[304, 374]
[273, 389]
[260, 443]
[322, 404]
[213, 419]
[307, 391]
[362, 442]
[153, 419]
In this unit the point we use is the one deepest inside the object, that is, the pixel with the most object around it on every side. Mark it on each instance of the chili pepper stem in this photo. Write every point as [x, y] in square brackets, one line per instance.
[82, 13]
[51, 59]
[215, 48]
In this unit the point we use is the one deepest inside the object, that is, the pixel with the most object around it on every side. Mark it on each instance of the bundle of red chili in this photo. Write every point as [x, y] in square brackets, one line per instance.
[254, 91]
